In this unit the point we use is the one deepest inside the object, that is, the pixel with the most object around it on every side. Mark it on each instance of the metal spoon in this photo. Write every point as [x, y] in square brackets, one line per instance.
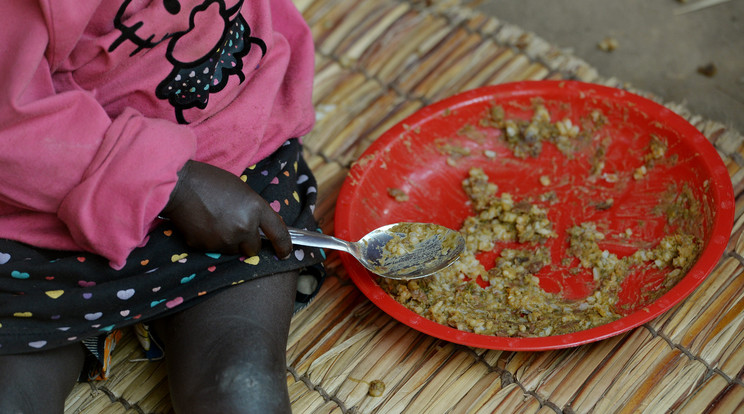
[439, 249]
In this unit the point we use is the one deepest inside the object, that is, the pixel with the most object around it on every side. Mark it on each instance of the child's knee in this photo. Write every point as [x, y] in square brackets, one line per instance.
[252, 382]
[251, 373]
[245, 390]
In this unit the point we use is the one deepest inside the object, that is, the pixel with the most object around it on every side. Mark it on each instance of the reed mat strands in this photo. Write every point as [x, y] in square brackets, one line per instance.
[376, 63]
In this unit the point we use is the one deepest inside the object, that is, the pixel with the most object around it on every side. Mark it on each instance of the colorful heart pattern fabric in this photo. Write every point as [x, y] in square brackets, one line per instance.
[52, 298]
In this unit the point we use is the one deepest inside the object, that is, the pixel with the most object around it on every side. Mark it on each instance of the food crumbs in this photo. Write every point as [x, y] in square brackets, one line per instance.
[398, 194]
[708, 70]
[376, 388]
[608, 44]
[639, 172]
[605, 204]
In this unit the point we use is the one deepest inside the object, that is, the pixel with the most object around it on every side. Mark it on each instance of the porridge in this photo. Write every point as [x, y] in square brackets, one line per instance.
[505, 297]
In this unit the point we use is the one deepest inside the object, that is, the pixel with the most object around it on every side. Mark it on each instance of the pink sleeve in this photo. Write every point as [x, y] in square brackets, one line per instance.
[105, 178]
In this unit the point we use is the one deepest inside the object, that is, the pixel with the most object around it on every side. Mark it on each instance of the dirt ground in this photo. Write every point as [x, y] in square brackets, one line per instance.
[660, 48]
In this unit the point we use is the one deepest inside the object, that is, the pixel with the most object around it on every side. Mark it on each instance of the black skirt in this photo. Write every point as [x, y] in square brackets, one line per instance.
[51, 298]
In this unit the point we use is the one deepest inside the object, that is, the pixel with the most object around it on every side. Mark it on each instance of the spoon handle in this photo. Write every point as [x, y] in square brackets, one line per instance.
[316, 239]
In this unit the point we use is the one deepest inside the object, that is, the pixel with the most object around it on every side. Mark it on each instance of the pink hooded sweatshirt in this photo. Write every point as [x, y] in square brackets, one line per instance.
[103, 101]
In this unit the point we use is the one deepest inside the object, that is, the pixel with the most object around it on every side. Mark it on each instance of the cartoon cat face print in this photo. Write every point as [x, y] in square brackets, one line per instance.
[206, 43]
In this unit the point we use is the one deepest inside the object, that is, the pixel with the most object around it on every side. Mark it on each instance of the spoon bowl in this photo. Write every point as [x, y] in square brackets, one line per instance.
[395, 251]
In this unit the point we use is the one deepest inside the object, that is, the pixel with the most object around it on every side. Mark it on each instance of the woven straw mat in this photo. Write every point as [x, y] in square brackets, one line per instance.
[376, 63]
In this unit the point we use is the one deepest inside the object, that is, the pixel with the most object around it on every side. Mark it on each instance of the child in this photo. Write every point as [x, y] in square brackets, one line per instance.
[146, 144]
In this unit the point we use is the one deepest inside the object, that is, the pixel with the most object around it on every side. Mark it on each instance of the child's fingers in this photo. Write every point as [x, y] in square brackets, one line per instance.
[250, 247]
[276, 231]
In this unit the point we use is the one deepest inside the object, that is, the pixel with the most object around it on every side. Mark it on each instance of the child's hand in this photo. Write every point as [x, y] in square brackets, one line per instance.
[218, 212]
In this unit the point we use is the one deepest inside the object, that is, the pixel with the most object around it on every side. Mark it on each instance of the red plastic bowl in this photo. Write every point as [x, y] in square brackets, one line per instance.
[407, 157]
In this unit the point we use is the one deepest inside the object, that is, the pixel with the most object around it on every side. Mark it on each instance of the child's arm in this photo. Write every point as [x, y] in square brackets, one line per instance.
[63, 158]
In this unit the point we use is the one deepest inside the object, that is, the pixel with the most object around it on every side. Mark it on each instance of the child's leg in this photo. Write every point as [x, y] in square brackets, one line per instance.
[39, 382]
[227, 354]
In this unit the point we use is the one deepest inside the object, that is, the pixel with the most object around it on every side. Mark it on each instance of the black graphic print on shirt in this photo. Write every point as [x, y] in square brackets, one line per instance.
[199, 68]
